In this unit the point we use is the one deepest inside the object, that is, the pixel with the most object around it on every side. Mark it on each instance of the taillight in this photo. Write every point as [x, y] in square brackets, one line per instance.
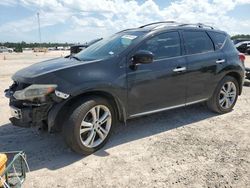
[242, 57]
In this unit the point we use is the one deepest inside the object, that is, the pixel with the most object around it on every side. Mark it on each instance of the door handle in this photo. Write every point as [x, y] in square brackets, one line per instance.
[219, 61]
[180, 69]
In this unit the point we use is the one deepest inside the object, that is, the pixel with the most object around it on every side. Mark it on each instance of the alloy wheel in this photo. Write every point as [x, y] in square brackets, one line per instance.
[227, 95]
[95, 126]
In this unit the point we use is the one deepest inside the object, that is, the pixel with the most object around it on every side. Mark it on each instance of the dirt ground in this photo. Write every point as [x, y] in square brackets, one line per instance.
[187, 147]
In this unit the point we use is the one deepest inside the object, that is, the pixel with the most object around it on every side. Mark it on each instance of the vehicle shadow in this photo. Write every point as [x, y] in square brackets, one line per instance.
[49, 150]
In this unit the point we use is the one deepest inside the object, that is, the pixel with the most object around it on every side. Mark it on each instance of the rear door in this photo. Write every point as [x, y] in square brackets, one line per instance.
[204, 58]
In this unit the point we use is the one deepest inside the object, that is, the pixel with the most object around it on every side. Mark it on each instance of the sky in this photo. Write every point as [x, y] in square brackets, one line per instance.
[83, 20]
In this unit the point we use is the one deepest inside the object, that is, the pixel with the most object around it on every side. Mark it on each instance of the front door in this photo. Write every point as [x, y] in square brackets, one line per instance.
[161, 84]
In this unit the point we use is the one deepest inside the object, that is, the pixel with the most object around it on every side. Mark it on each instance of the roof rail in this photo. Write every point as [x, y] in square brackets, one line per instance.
[200, 25]
[125, 30]
[154, 23]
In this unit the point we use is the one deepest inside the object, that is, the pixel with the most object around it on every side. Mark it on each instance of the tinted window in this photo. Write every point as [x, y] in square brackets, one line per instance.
[197, 42]
[164, 45]
[218, 39]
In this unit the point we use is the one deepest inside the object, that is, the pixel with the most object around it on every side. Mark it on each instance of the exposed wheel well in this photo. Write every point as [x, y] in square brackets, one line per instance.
[63, 112]
[238, 78]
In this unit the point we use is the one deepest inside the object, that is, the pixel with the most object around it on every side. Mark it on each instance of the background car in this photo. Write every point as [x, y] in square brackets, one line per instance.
[79, 47]
[5, 49]
[243, 47]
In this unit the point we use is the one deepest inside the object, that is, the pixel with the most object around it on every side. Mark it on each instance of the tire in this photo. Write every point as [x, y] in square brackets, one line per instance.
[216, 104]
[248, 74]
[94, 134]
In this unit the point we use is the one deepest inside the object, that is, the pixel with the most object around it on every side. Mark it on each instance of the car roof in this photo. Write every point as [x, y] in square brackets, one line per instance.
[242, 42]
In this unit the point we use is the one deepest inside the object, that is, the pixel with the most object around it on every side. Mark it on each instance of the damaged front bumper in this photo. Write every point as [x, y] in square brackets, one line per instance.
[20, 117]
[28, 113]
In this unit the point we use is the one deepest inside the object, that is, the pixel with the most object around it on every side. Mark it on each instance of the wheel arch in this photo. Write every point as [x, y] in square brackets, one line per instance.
[59, 113]
[239, 79]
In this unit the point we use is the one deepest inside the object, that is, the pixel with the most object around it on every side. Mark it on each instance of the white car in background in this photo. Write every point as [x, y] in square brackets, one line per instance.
[5, 49]
[243, 47]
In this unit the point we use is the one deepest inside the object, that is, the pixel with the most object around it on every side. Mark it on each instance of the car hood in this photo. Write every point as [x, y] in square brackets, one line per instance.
[46, 67]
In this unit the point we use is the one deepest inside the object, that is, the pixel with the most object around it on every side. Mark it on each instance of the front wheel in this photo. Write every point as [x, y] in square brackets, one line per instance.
[225, 95]
[89, 126]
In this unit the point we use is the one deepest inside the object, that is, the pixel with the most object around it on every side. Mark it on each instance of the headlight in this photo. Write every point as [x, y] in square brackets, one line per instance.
[34, 91]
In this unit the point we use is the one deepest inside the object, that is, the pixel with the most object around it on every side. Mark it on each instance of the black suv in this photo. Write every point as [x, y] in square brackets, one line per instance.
[135, 72]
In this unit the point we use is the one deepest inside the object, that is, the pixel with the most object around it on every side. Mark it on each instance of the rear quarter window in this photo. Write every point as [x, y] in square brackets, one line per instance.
[218, 39]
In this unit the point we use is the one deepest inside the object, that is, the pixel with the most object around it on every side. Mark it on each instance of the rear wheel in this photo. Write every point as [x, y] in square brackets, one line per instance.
[225, 95]
[248, 51]
[89, 126]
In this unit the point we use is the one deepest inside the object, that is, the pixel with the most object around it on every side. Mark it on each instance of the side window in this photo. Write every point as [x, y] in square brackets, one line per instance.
[197, 42]
[164, 45]
[218, 39]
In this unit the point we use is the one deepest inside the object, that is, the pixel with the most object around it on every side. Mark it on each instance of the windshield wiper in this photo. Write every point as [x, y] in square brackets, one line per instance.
[71, 56]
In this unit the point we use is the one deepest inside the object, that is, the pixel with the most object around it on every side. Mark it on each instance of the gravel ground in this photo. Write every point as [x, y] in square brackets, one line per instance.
[187, 147]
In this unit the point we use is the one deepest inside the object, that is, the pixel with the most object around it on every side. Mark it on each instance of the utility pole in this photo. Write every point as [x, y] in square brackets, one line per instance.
[39, 29]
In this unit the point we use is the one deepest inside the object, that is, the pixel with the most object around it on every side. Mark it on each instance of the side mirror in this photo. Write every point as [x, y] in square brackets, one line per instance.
[143, 57]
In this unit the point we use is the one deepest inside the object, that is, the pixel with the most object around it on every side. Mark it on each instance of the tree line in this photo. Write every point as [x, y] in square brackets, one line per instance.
[33, 45]
[240, 36]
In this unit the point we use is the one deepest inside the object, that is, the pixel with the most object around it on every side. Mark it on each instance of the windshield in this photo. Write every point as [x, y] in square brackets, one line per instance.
[109, 47]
